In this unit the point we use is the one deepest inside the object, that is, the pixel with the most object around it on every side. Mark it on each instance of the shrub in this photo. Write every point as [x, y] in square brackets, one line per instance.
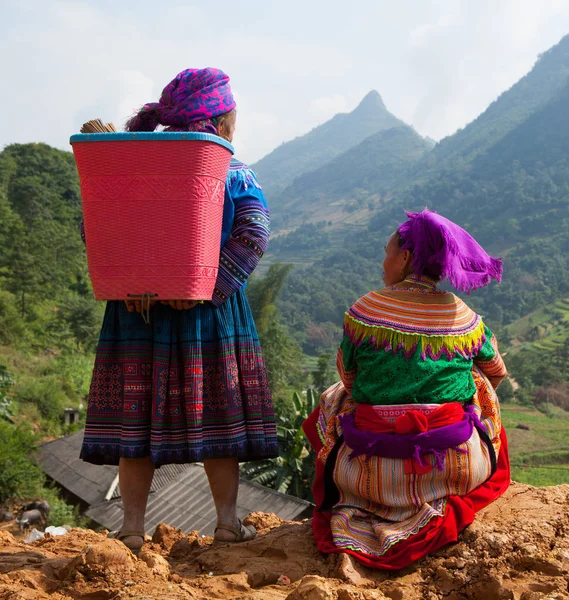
[45, 393]
[19, 477]
[13, 329]
[61, 513]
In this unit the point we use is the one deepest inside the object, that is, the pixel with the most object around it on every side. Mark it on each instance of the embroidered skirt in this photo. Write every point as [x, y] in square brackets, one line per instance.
[190, 386]
[389, 512]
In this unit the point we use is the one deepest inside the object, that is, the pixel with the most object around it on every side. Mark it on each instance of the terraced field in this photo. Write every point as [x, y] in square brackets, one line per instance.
[545, 329]
[538, 445]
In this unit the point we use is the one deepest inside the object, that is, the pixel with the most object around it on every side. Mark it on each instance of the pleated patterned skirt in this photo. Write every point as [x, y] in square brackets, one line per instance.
[190, 386]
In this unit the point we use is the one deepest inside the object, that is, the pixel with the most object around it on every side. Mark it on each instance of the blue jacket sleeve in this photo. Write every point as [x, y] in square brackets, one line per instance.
[249, 235]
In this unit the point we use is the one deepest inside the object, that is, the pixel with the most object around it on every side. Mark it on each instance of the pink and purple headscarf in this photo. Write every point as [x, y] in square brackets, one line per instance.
[193, 95]
[442, 248]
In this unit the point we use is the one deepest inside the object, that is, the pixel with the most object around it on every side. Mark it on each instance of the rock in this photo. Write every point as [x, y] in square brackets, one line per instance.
[186, 546]
[97, 560]
[349, 570]
[166, 535]
[285, 562]
[454, 563]
[6, 538]
[547, 566]
[158, 564]
[313, 587]
[263, 522]
[490, 588]
[397, 591]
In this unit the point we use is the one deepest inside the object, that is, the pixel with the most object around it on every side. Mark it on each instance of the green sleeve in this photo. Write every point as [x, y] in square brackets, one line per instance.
[488, 350]
[348, 353]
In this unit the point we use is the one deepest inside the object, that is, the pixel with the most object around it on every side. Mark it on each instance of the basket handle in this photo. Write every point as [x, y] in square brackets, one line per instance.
[145, 309]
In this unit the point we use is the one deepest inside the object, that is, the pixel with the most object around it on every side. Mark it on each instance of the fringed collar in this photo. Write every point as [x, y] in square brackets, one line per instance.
[400, 319]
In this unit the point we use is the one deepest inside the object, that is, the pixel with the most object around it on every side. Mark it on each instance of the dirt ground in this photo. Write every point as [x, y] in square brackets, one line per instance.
[518, 548]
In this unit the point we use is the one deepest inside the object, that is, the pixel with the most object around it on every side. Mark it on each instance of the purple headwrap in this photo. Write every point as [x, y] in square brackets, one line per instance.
[442, 248]
[193, 95]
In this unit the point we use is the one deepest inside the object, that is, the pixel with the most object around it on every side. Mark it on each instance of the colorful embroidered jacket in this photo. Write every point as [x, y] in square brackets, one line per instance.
[412, 343]
[245, 231]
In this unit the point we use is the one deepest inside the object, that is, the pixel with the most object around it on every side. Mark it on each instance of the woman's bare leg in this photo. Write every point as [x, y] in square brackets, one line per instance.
[135, 478]
[223, 476]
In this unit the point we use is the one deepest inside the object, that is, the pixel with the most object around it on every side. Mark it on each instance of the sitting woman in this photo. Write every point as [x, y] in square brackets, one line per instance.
[410, 444]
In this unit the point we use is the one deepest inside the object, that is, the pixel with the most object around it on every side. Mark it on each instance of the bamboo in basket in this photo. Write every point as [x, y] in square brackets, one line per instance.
[97, 126]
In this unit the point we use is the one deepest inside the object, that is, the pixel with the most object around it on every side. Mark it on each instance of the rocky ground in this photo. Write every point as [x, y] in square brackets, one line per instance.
[518, 548]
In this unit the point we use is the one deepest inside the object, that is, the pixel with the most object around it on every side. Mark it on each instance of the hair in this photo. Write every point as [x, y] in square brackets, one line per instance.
[146, 119]
[430, 271]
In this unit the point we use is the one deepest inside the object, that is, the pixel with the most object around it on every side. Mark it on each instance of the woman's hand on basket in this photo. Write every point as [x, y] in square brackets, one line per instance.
[181, 304]
[136, 305]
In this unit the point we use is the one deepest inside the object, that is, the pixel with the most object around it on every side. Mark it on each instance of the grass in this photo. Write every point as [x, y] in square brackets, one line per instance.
[540, 455]
[553, 325]
[541, 476]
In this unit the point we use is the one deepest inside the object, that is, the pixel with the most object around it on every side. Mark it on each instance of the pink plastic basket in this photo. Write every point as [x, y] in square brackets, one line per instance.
[153, 209]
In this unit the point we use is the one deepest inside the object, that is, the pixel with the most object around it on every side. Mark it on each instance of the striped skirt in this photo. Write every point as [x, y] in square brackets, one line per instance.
[376, 507]
[190, 386]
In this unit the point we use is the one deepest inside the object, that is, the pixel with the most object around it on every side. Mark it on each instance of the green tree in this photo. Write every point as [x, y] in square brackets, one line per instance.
[506, 391]
[323, 374]
[263, 292]
[283, 356]
[81, 317]
[19, 477]
[293, 471]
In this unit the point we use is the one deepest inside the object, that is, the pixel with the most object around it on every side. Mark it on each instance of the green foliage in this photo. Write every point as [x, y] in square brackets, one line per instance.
[324, 374]
[12, 329]
[81, 317]
[6, 382]
[306, 238]
[354, 181]
[541, 476]
[283, 356]
[293, 471]
[45, 393]
[61, 513]
[19, 477]
[263, 293]
[506, 391]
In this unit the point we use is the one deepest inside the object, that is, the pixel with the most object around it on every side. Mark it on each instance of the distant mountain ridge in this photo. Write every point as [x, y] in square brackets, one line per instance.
[358, 178]
[545, 80]
[505, 177]
[306, 153]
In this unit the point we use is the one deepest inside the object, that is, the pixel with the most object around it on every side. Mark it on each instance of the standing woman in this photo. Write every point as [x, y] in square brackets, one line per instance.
[191, 386]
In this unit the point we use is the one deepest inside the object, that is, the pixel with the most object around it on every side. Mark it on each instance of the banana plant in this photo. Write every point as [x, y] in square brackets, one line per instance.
[287, 473]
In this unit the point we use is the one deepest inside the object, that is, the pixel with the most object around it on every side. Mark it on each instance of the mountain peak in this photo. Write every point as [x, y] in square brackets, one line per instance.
[372, 101]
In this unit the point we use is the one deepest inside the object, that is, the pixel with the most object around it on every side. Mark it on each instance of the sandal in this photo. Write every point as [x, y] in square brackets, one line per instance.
[245, 533]
[122, 534]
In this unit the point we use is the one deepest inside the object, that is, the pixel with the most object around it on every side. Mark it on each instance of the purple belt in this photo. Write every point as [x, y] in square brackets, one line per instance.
[411, 445]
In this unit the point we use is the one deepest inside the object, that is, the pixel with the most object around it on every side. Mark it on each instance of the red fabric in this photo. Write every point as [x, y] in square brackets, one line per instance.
[413, 421]
[441, 531]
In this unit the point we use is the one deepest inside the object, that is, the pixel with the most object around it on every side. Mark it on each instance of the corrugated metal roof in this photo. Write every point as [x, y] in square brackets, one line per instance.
[60, 461]
[162, 476]
[179, 494]
[186, 504]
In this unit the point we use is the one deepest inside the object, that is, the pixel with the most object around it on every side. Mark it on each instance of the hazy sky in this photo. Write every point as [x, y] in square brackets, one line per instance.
[294, 64]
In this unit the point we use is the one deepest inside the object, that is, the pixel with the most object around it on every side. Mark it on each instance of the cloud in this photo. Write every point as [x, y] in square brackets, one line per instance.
[437, 66]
